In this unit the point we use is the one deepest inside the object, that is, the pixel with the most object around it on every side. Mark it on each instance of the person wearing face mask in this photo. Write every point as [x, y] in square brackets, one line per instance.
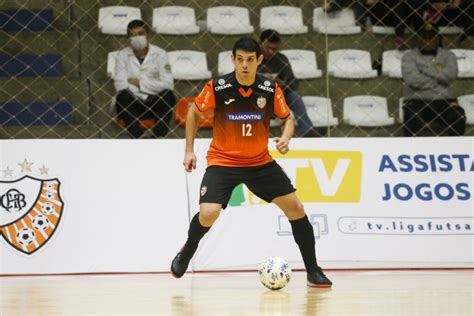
[428, 72]
[144, 83]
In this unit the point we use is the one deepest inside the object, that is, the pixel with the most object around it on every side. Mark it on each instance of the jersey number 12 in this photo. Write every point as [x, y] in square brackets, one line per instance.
[246, 130]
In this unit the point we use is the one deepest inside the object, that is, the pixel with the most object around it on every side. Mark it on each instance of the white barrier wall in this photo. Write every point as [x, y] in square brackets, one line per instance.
[125, 207]
[69, 206]
[373, 202]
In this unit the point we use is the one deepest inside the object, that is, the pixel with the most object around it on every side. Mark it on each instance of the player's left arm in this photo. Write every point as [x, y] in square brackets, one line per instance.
[282, 111]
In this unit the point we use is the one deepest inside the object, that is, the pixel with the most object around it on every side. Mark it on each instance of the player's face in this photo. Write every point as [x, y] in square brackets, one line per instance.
[246, 65]
[269, 49]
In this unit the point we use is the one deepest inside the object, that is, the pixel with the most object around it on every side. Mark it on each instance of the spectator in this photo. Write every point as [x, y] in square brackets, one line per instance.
[393, 13]
[143, 83]
[456, 12]
[276, 66]
[428, 72]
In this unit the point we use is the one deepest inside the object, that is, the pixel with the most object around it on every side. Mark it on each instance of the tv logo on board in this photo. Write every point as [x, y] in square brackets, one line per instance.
[319, 176]
[30, 207]
[318, 221]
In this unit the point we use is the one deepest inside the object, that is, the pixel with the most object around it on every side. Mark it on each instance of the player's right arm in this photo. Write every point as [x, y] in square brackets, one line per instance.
[204, 101]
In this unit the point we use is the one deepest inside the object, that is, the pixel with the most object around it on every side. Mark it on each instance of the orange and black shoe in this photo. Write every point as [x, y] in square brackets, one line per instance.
[316, 278]
[179, 265]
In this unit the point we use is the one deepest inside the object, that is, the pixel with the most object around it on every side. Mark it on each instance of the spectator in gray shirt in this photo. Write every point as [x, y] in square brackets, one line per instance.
[428, 71]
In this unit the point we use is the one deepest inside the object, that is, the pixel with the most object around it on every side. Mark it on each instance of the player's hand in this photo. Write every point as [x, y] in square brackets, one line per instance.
[134, 82]
[282, 144]
[189, 162]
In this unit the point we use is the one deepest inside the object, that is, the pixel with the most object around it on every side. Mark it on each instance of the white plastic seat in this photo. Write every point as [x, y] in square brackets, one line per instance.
[283, 19]
[303, 63]
[175, 20]
[392, 63]
[339, 23]
[319, 110]
[366, 110]
[114, 19]
[351, 64]
[450, 30]
[111, 64]
[401, 102]
[189, 65]
[228, 20]
[465, 59]
[224, 63]
[385, 30]
[467, 103]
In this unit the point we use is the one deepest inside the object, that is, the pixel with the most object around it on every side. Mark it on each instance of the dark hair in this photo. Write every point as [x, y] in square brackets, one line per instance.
[247, 44]
[270, 35]
[137, 23]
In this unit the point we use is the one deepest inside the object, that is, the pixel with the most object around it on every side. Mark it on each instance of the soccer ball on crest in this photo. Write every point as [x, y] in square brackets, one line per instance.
[274, 273]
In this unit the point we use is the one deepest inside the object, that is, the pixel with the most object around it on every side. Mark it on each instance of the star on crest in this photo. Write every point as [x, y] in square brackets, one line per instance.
[25, 165]
[7, 172]
[44, 170]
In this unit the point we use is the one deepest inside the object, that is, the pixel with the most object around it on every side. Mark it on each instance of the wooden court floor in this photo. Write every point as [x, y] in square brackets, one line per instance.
[407, 292]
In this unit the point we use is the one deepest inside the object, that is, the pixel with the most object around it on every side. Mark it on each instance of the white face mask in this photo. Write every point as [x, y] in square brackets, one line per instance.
[138, 42]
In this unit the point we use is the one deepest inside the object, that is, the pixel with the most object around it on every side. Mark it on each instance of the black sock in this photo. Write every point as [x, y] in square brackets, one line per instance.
[304, 237]
[195, 233]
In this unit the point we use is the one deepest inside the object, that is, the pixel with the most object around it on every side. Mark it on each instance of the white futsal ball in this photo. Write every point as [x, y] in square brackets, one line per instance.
[274, 273]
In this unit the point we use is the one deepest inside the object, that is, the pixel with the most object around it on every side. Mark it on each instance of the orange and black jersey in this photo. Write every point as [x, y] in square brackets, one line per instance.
[241, 119]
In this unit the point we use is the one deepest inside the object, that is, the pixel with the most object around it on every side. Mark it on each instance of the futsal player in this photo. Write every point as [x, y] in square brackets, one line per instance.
[243, 104]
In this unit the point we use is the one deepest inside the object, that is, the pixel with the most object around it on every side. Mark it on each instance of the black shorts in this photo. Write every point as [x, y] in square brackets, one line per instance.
[267, 182]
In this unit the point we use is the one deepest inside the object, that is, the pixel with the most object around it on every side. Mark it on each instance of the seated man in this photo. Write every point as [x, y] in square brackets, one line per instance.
[276, 66]
[144, 83]
[428, 71]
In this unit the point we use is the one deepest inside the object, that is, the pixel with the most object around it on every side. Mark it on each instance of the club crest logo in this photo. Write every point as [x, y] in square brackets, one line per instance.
[203, 190]
[261, 102]
[30, 208]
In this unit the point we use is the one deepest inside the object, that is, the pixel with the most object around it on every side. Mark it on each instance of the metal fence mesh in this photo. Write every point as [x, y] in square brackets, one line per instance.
[86, 89]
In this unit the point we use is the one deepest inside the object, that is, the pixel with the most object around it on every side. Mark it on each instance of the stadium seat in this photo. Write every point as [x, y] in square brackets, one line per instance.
[467, 103]
[450, 30]
[49, 65]
[35, 113]
[401, 102]
[144, 123]
[181, 110]
[224, 63]
[383, 30]
[319, 110]
[284, 19]
[175, 20]
[114, 19]
[303, 63]
[229, 20]
[189, 65]
[26, 20]
[350, 64]
[339, 23]
[111, 64]
[392, 63]
[367, 111]
[465, 62]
